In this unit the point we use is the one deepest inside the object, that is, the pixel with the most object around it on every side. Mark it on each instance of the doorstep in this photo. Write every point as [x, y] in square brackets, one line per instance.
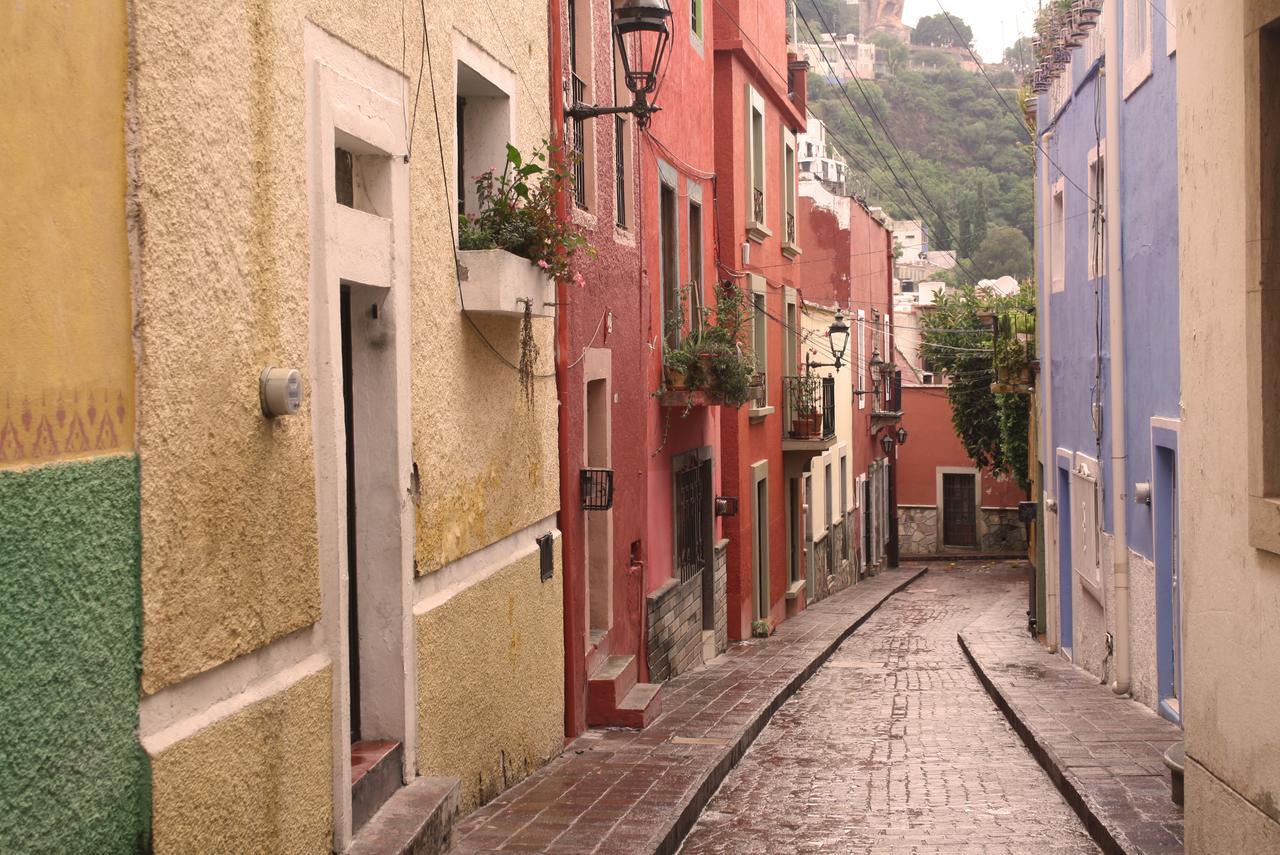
[1105, 753]
[641, 791]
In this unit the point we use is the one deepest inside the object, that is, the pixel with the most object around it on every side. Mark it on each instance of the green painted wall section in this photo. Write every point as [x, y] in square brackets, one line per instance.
[73, 777]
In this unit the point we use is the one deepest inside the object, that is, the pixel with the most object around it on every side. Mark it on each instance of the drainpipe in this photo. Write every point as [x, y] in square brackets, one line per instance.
[575, 682]
[1115, 304]
[1049, 455]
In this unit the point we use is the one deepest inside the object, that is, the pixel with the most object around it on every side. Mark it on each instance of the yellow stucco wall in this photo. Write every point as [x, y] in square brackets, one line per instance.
[1230, 590]
[491, 681]
[258, 781]
[230, 559]
[66, 358]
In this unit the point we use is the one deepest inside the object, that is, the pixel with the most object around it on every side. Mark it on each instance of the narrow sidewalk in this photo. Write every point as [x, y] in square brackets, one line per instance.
[1103, 752]
[641, 791]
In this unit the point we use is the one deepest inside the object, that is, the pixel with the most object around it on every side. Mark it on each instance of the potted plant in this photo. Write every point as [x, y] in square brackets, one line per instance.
[806, 421]
[516, 244]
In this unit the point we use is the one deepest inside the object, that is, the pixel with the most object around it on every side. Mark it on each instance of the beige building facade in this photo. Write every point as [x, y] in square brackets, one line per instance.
[382, 566]
[1228, 117]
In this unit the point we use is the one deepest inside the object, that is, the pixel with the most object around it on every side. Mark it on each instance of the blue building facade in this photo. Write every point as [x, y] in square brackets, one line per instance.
[1106, 208]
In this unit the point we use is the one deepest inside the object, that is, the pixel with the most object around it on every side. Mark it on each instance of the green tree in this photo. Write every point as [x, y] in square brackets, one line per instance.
[1020, 57]
[937, 31]
[972, 222]
[894, 53]
[956, 341]
[839, 15]
[1005, 252]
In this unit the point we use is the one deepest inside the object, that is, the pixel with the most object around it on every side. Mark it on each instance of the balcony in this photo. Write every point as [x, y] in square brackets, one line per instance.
[496, 282]
[887, 409]
[809, 414]
[789, 247]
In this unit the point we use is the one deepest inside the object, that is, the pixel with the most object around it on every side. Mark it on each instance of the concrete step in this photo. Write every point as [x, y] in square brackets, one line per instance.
[377, 771]
[417, 820]
[640, 707]
[708, 645]
[608, 686]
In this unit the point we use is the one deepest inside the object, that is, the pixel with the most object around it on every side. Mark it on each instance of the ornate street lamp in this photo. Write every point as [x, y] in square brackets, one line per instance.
[649, 22]
[886, 442]
[838, 335]
[902, 436]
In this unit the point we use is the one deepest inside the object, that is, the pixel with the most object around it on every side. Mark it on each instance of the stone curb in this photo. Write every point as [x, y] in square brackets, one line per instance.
[700, 796]
[1068, 784]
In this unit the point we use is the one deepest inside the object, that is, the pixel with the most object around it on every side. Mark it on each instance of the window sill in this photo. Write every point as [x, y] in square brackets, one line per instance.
[796, 589]
[757, 232]
[790, 250]
[1264, 523]
[758, 414]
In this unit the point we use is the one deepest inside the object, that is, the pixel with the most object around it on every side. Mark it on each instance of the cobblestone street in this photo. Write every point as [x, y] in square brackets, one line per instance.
[893, 747]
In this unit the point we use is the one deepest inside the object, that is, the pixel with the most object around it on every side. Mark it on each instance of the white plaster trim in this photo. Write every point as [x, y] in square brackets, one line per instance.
[437, 588]
[179, 712]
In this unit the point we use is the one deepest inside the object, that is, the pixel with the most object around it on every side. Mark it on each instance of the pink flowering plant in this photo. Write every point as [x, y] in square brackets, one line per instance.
[518, 214]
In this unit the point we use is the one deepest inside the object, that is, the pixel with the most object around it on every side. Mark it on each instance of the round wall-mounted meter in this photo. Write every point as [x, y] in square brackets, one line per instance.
[280, 391]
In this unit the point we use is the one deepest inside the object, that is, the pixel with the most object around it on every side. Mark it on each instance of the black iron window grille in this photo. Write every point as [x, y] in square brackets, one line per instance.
[757, 208]
[597, 489]
[579, 145]
[791, 227]
[619, 172]
[693, 506]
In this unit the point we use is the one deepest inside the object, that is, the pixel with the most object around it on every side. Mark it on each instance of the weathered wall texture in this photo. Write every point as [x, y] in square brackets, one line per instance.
[224, 260]
[66, 360]
[77, 781]
[1231, 591]
[257, 781]
[1002, 532]
[491, 681]
[73, 777]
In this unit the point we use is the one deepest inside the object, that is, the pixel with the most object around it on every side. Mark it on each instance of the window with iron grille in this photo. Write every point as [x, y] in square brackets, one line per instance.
[692, 512]
[597, 489]
[620, 171]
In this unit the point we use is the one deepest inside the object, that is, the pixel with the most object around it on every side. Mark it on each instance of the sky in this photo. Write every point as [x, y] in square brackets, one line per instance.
[996, 23]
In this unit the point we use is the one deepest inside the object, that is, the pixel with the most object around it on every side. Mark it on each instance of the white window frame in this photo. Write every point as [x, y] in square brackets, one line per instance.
[756, 229]
[1086, 522]
[861, 371]
[1096, 246]
[788, 188]
[1058, 237]
[1137, 44]
[760, 324]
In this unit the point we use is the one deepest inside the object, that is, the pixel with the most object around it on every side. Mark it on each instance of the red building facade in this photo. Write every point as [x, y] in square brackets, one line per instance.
[643, 601]
[759, 107]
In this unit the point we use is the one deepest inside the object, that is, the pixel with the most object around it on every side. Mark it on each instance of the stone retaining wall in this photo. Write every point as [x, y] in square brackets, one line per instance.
[919, 534]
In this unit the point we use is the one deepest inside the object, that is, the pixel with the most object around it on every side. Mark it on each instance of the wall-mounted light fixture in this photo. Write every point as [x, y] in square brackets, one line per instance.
[838, 335]
[902, 436]
[649, 22]
[886, 442]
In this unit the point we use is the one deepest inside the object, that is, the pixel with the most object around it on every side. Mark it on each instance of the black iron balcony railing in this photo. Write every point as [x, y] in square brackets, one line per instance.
[888, 398]
[791, 227]
[757, 205]
[809, 407]
[578, 127]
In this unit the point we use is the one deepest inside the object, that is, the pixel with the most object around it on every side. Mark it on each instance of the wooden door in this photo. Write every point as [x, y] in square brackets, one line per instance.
[959, 511]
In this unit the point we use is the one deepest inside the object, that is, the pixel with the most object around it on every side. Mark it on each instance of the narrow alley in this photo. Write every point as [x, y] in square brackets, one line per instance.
[894, 747]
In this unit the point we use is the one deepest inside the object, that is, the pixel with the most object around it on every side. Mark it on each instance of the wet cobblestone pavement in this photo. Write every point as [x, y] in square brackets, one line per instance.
[894, 748]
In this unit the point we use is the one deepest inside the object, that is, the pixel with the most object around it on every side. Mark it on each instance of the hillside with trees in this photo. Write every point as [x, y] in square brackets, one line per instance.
[969, 154]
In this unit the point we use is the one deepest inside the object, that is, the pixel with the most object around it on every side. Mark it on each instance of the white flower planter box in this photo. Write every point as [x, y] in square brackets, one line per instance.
[495, 282]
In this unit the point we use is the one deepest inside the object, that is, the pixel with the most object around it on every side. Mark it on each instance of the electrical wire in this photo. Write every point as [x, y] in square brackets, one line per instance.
[940, 220]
